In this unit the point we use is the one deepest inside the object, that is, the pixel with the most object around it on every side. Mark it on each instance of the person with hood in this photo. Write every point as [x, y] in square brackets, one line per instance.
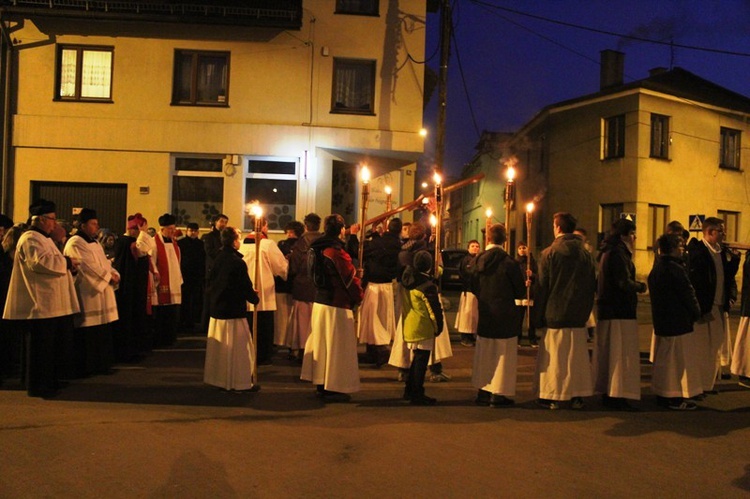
[567, 284]
[468, 315]
[330, 358]
[676, 374]
[283, 288]
[303, 291]
[712, 267]
[422, 317]
[498, 282]
[616, 360]
[377, 315]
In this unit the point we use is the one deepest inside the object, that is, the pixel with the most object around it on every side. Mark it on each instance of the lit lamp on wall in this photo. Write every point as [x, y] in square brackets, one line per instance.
[510, 187]
[364, 175]
[257, 212]
[487, 226]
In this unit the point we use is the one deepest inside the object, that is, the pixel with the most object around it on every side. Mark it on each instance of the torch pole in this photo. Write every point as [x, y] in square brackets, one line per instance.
[256, 282]
[363, 217]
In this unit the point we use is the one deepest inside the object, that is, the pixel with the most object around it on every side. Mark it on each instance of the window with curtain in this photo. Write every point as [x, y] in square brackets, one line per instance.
[200, 78]
[614, 137]
[609, 213]
[84, 73]
[353, 86]
[659, 136]
[197, 189]
[730, 149]
[359, 7]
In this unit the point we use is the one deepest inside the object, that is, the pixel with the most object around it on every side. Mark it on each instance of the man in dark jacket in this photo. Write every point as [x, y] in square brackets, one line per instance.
[212, 246]
[497, 282]
[674, 308]
[193, 266]
[377, 319]
[712, 268]
[567, 285]
[283, 289]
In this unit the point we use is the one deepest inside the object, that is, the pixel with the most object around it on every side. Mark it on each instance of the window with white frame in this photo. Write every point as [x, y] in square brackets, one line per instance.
[197, 189]
[659, 136]
[613, 137]
[657, 223]
[729, 150]
[731, 224]
[201, 78]
[272, 181]
[84, 73]
[353, 86]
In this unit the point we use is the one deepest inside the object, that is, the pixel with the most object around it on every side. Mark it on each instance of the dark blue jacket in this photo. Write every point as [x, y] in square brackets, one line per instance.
[674, 307]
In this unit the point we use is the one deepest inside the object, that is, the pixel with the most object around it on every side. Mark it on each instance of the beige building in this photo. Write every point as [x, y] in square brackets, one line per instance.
[198, 108]
[662, 148]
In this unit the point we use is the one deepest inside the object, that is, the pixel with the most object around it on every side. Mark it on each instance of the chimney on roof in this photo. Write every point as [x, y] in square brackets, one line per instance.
[612, 69]
[656, 71]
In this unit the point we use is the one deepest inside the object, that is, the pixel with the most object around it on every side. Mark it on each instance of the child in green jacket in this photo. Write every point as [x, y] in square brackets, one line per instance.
[422, 321]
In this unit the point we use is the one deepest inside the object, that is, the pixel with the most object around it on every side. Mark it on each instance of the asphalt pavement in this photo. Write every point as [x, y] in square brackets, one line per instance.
[153, 429]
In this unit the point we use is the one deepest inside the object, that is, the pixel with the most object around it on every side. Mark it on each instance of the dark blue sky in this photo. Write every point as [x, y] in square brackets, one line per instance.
[514, 65]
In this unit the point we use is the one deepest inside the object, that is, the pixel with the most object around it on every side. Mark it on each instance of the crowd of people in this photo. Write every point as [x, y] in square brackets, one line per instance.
[75, 303]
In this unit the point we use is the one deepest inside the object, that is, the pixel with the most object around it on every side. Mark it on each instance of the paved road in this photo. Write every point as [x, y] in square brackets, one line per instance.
[154, 430]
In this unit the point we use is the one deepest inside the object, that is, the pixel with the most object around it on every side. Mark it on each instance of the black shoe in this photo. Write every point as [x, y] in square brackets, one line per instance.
[577, 404]
[422, 400]
[483, 398]
[726, 376]
[252, 389]
[548, 404]
[336, 397]
[500, 401]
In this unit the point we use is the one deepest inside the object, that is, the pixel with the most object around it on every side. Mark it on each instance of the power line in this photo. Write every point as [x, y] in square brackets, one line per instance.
[463, 80]
[609, 33]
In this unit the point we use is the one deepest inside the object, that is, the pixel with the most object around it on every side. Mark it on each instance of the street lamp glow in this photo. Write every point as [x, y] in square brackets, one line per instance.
[364, 174]
[529, 207]
[425, 185]
[388, 190]
[510, 174]
[423, 132]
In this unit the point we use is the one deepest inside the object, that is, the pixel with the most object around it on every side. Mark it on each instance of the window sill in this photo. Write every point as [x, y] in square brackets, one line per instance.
[361, 14]
[353, 111]
[731, 169]
[200, 104]
[612, 158]
[85, 101]
[661, 158]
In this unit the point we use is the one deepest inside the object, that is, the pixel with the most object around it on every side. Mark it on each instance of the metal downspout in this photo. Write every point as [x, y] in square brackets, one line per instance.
[7, 140]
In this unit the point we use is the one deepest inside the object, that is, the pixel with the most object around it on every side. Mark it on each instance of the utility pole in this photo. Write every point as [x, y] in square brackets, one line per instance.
[445, 48]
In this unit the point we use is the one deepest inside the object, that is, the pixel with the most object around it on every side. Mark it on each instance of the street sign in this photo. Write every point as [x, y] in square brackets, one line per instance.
[628, 216]
[696, 223]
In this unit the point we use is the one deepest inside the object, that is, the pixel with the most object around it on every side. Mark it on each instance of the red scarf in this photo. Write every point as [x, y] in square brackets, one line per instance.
[162, 264]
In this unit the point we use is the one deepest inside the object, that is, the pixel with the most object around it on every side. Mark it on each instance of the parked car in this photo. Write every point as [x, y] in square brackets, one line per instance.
[451, 279]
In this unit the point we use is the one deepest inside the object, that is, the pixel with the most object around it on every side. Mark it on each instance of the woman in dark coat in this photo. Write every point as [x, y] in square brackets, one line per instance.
[229, 350]
[674, 308]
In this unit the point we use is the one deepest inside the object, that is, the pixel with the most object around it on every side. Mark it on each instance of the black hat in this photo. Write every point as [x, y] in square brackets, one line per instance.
[86, 215]
[423, 261]
[5, 221]
[193, 226]
[41, 207]
[167, 219]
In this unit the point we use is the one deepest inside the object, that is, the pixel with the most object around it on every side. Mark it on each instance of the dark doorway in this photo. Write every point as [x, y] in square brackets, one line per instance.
[109, 200]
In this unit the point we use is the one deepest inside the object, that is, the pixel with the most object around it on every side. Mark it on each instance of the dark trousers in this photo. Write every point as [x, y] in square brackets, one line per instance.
[42, 338]
[264, 337]
[99, 350]
[191, 310]
[417, 372]
[166, 320]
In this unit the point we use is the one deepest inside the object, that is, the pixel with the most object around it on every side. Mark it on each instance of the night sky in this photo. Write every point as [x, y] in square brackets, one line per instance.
[514, 65]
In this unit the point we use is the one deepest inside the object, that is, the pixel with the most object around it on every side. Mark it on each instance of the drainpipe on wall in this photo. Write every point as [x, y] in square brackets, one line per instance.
[7, 141]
